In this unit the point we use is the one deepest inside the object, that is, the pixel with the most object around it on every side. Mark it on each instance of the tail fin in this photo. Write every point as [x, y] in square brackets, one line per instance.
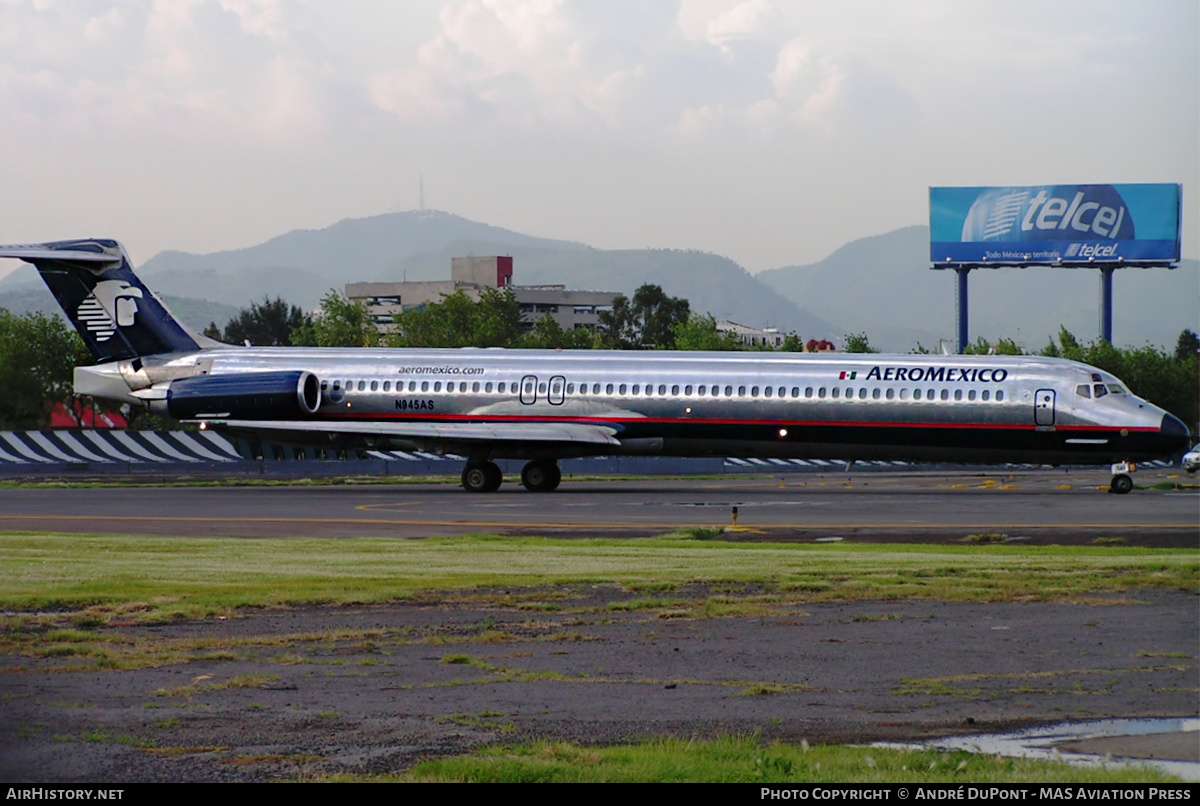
[116, 315]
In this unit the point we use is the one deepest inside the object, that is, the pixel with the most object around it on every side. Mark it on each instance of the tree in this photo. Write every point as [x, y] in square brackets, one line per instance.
[339, 323]
[38, 356]
[1002, 347]
[648, 322]
[699, 332]
[548, 334]
[1187, 346]
[269, 323]
[459, 321]
[859, 343]
[792, 343]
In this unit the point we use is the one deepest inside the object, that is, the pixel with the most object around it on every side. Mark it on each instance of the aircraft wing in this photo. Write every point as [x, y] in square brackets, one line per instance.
[427, 432]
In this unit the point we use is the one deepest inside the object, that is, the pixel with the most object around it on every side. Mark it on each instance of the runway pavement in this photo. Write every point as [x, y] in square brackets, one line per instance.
[1038, 506]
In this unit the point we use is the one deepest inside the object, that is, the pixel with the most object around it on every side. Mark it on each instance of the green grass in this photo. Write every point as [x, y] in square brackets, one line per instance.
[105, 579]
[746, 760]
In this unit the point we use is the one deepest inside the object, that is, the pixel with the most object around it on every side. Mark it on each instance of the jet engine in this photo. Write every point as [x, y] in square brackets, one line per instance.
[243, 396]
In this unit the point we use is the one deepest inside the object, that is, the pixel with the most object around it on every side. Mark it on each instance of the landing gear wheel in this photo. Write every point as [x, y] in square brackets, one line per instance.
[541, 477]
[1120, 484]
[482, 478]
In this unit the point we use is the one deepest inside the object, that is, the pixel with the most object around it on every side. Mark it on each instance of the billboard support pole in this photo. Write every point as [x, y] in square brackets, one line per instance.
[1106, 302]
[961, 299]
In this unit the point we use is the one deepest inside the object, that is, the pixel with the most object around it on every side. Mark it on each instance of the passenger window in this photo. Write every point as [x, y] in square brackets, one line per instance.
[836, 392]
[767, 391]
[700, 390]
[662, 389]
[945, 394]
[608, 389]
[374, 386]
[437, 386]
[595, 388]
[795, 391]
[570, 388]
[916, 394]
[875, 393]
[821, 393]
[904, 393]
[862, 394]
[621, 389]
[986, 394]
[728, 391]
[675, 390]
[808, 391]
[781, 391]
[891, 393]
[971, 395]
[999, 395]
[424, 386]
[687, 390]
[958, 394]
[754, 391]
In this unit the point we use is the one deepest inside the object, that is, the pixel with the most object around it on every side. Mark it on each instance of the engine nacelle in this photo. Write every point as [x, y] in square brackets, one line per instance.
[242, 396]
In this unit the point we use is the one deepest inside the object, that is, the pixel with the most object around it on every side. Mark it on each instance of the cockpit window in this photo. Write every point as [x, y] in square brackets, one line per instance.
[1083, 391]
[1114, 389]
[1099, 390]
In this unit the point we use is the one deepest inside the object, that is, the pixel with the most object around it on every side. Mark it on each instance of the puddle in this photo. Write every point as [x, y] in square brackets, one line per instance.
[1169, 745]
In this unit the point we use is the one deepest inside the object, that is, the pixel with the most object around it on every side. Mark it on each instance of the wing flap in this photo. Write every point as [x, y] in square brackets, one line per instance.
[451, 432]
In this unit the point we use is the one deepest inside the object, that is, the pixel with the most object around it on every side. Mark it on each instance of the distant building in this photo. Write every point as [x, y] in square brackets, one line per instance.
[571, 309]
[770, 337]
[753, 336]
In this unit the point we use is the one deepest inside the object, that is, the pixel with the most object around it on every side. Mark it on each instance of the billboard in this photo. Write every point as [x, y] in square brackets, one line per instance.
[1055, 224]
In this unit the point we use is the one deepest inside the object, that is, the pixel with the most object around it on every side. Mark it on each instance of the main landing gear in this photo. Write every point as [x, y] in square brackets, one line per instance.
[541, 476]
[483, 477]
[1122, 482]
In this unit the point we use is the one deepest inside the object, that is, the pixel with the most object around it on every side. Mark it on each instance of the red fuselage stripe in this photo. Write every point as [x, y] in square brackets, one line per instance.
[516, 418]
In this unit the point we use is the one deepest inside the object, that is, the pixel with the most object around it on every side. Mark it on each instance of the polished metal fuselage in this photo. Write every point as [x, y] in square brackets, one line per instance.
[821, 405]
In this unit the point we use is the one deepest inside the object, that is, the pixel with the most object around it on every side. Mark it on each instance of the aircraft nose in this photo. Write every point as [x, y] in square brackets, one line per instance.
[1174, 429]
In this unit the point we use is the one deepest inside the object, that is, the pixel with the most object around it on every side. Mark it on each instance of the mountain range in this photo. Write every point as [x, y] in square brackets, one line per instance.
[881, 286]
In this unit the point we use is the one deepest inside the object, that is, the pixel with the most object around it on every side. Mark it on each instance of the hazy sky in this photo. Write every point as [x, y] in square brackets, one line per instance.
[769, 131]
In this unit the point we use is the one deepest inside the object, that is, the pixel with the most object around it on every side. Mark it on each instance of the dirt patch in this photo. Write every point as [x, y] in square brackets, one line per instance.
[310, 691]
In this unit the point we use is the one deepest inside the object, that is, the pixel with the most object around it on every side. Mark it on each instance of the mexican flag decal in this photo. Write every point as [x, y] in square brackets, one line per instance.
[847, 376]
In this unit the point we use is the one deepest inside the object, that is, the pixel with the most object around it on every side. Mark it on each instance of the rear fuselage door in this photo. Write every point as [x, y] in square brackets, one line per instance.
[529, 390]
[1043, 407]
[556, 394]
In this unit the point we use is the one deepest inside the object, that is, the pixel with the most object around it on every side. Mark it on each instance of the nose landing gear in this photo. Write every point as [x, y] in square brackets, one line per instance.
[1122, 482]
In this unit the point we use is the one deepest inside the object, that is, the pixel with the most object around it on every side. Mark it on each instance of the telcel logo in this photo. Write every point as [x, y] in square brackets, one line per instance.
[1047, 212]
[1092, 250]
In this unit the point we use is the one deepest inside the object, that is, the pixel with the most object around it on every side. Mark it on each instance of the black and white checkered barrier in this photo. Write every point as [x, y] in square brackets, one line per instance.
[101, 447]
[142, 447]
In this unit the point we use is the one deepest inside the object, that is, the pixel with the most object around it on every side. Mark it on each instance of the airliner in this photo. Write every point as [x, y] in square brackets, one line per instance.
[542, 406]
